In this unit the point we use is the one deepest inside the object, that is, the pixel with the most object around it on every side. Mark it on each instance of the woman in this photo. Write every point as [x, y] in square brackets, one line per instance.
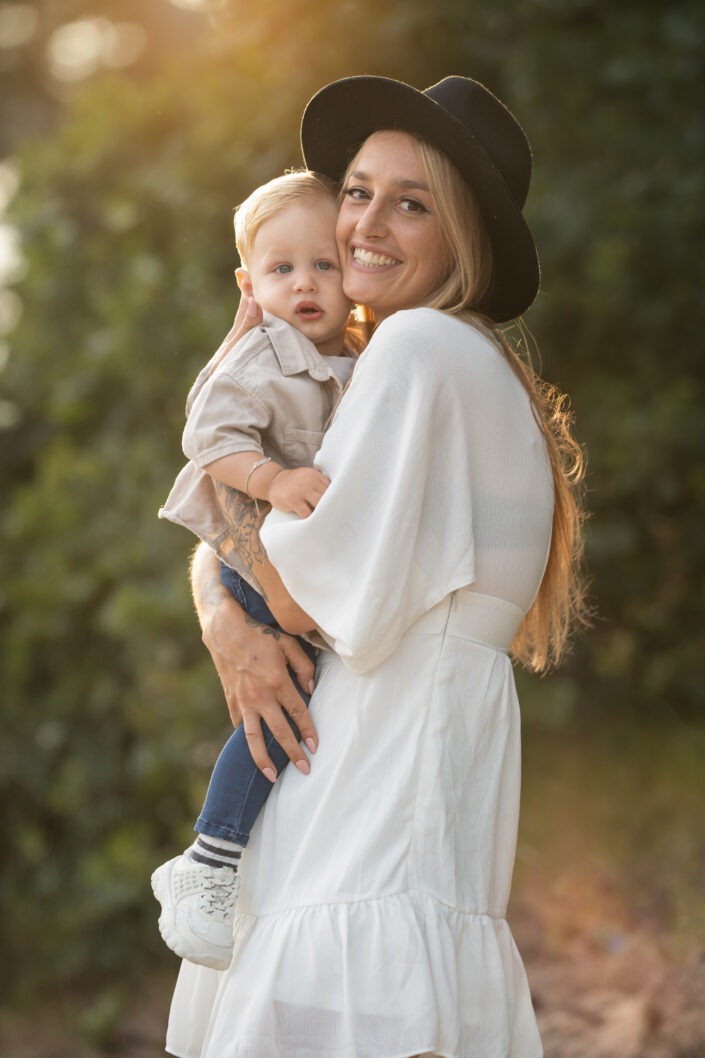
[371, 915]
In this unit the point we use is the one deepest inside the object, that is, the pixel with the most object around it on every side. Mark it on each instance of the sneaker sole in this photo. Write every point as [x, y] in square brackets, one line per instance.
[161, 887]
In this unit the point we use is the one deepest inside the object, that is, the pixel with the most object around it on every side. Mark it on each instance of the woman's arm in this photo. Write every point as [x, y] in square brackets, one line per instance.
[393, 533]
[251, 660]
[244, 522]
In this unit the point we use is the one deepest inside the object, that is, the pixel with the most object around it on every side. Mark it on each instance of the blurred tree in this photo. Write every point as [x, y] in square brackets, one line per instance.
[50, 48]
[109, 702]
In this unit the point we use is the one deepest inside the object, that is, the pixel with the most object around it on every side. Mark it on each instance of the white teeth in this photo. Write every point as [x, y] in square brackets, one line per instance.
[372, 260]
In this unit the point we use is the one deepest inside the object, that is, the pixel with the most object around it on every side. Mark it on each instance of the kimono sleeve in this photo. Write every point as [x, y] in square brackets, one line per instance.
[392, 534]
[224, 418]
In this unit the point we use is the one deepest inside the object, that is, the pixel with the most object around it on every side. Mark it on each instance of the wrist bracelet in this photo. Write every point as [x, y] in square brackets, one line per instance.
[259, 463]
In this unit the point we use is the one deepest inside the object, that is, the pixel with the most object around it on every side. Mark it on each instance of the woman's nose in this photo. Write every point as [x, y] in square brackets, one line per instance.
[372, 223]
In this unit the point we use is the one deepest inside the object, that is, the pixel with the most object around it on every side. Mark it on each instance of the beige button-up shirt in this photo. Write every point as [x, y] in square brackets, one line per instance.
[272, 393]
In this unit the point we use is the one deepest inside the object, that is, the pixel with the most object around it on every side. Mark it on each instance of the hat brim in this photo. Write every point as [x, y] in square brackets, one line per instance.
[340, 117]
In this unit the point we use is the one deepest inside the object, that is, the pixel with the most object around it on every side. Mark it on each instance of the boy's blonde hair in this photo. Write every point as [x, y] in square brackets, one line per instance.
[271, 198]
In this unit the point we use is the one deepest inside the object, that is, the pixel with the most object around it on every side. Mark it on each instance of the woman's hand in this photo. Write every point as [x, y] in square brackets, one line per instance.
[251, 660]
[248, 315]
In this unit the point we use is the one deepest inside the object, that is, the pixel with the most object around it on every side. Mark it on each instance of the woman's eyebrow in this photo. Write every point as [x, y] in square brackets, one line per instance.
[359, 175]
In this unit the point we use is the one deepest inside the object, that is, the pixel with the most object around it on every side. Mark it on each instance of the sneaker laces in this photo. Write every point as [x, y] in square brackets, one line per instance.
[217, 895]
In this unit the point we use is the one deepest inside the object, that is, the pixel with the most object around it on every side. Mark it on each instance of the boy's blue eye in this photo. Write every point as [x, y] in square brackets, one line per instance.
[323, 265]
[282, 269]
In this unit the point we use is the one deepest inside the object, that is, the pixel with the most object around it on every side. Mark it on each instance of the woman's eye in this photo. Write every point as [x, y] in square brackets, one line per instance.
[355, 192]
[282, 269]
[324, 266]
[410, 205]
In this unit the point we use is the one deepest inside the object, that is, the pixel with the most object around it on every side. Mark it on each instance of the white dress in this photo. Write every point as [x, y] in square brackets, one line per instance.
[371, 920]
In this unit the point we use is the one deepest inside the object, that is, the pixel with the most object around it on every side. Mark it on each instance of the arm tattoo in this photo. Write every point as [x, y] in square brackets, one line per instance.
[244, 522]
[266, 630]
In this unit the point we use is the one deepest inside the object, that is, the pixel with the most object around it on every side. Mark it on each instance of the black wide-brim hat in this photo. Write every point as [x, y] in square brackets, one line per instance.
[473, 128]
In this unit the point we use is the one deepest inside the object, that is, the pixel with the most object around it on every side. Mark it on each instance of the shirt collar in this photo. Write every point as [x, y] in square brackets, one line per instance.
[293, 350]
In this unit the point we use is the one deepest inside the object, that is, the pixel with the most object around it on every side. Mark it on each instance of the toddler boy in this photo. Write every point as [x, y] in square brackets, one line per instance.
[255, 419]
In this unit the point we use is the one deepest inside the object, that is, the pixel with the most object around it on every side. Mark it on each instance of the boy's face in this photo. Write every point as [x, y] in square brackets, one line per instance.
[295, 272]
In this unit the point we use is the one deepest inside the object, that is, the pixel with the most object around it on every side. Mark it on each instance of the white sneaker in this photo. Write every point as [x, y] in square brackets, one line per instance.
[198, 905]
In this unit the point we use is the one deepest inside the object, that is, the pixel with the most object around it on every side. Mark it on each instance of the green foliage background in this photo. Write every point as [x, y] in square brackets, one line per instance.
[111, 711]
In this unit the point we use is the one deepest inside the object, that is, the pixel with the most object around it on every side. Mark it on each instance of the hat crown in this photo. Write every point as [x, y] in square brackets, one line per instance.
[496, 130]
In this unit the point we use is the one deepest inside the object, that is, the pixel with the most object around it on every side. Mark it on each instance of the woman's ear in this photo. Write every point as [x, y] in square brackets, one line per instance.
[244, 282]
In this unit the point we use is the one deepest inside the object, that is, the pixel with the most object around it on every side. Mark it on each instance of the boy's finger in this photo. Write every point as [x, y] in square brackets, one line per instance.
[314, 497]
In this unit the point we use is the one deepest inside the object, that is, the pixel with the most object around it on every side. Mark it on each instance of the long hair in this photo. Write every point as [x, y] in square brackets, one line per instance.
[560, 605]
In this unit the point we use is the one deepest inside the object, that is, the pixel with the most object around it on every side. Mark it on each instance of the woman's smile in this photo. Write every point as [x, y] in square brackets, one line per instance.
[366, 259]
[392, 250]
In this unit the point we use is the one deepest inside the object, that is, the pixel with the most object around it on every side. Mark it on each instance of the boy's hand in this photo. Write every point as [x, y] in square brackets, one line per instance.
[297, 490]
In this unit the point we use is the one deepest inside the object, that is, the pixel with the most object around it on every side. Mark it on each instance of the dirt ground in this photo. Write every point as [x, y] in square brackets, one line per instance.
[608, 991]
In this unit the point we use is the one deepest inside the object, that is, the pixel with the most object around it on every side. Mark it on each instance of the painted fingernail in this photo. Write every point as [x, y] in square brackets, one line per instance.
[311, 744]
[270, 774]
[310, 686]
[304, 766]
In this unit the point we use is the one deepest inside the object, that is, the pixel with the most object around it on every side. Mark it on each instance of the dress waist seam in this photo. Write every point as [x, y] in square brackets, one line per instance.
[376, 899]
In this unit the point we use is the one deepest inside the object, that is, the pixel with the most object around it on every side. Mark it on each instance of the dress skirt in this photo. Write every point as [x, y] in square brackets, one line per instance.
[371, 918]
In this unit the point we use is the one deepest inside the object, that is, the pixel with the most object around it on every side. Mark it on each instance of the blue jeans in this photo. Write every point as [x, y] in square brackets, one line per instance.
[238, 789]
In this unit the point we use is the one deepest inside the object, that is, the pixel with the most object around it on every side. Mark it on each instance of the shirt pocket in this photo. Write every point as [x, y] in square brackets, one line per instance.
[300, 446]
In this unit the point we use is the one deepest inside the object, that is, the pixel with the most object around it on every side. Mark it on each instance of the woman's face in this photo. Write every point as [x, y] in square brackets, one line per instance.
[391, 248]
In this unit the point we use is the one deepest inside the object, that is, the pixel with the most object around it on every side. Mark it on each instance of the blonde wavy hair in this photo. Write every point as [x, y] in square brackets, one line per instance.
[560, 605]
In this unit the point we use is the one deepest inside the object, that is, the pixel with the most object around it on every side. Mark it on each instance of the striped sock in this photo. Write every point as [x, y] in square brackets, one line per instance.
[216, 852]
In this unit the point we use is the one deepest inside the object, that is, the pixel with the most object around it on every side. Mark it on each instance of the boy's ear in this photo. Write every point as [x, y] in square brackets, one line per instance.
[244, 281]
